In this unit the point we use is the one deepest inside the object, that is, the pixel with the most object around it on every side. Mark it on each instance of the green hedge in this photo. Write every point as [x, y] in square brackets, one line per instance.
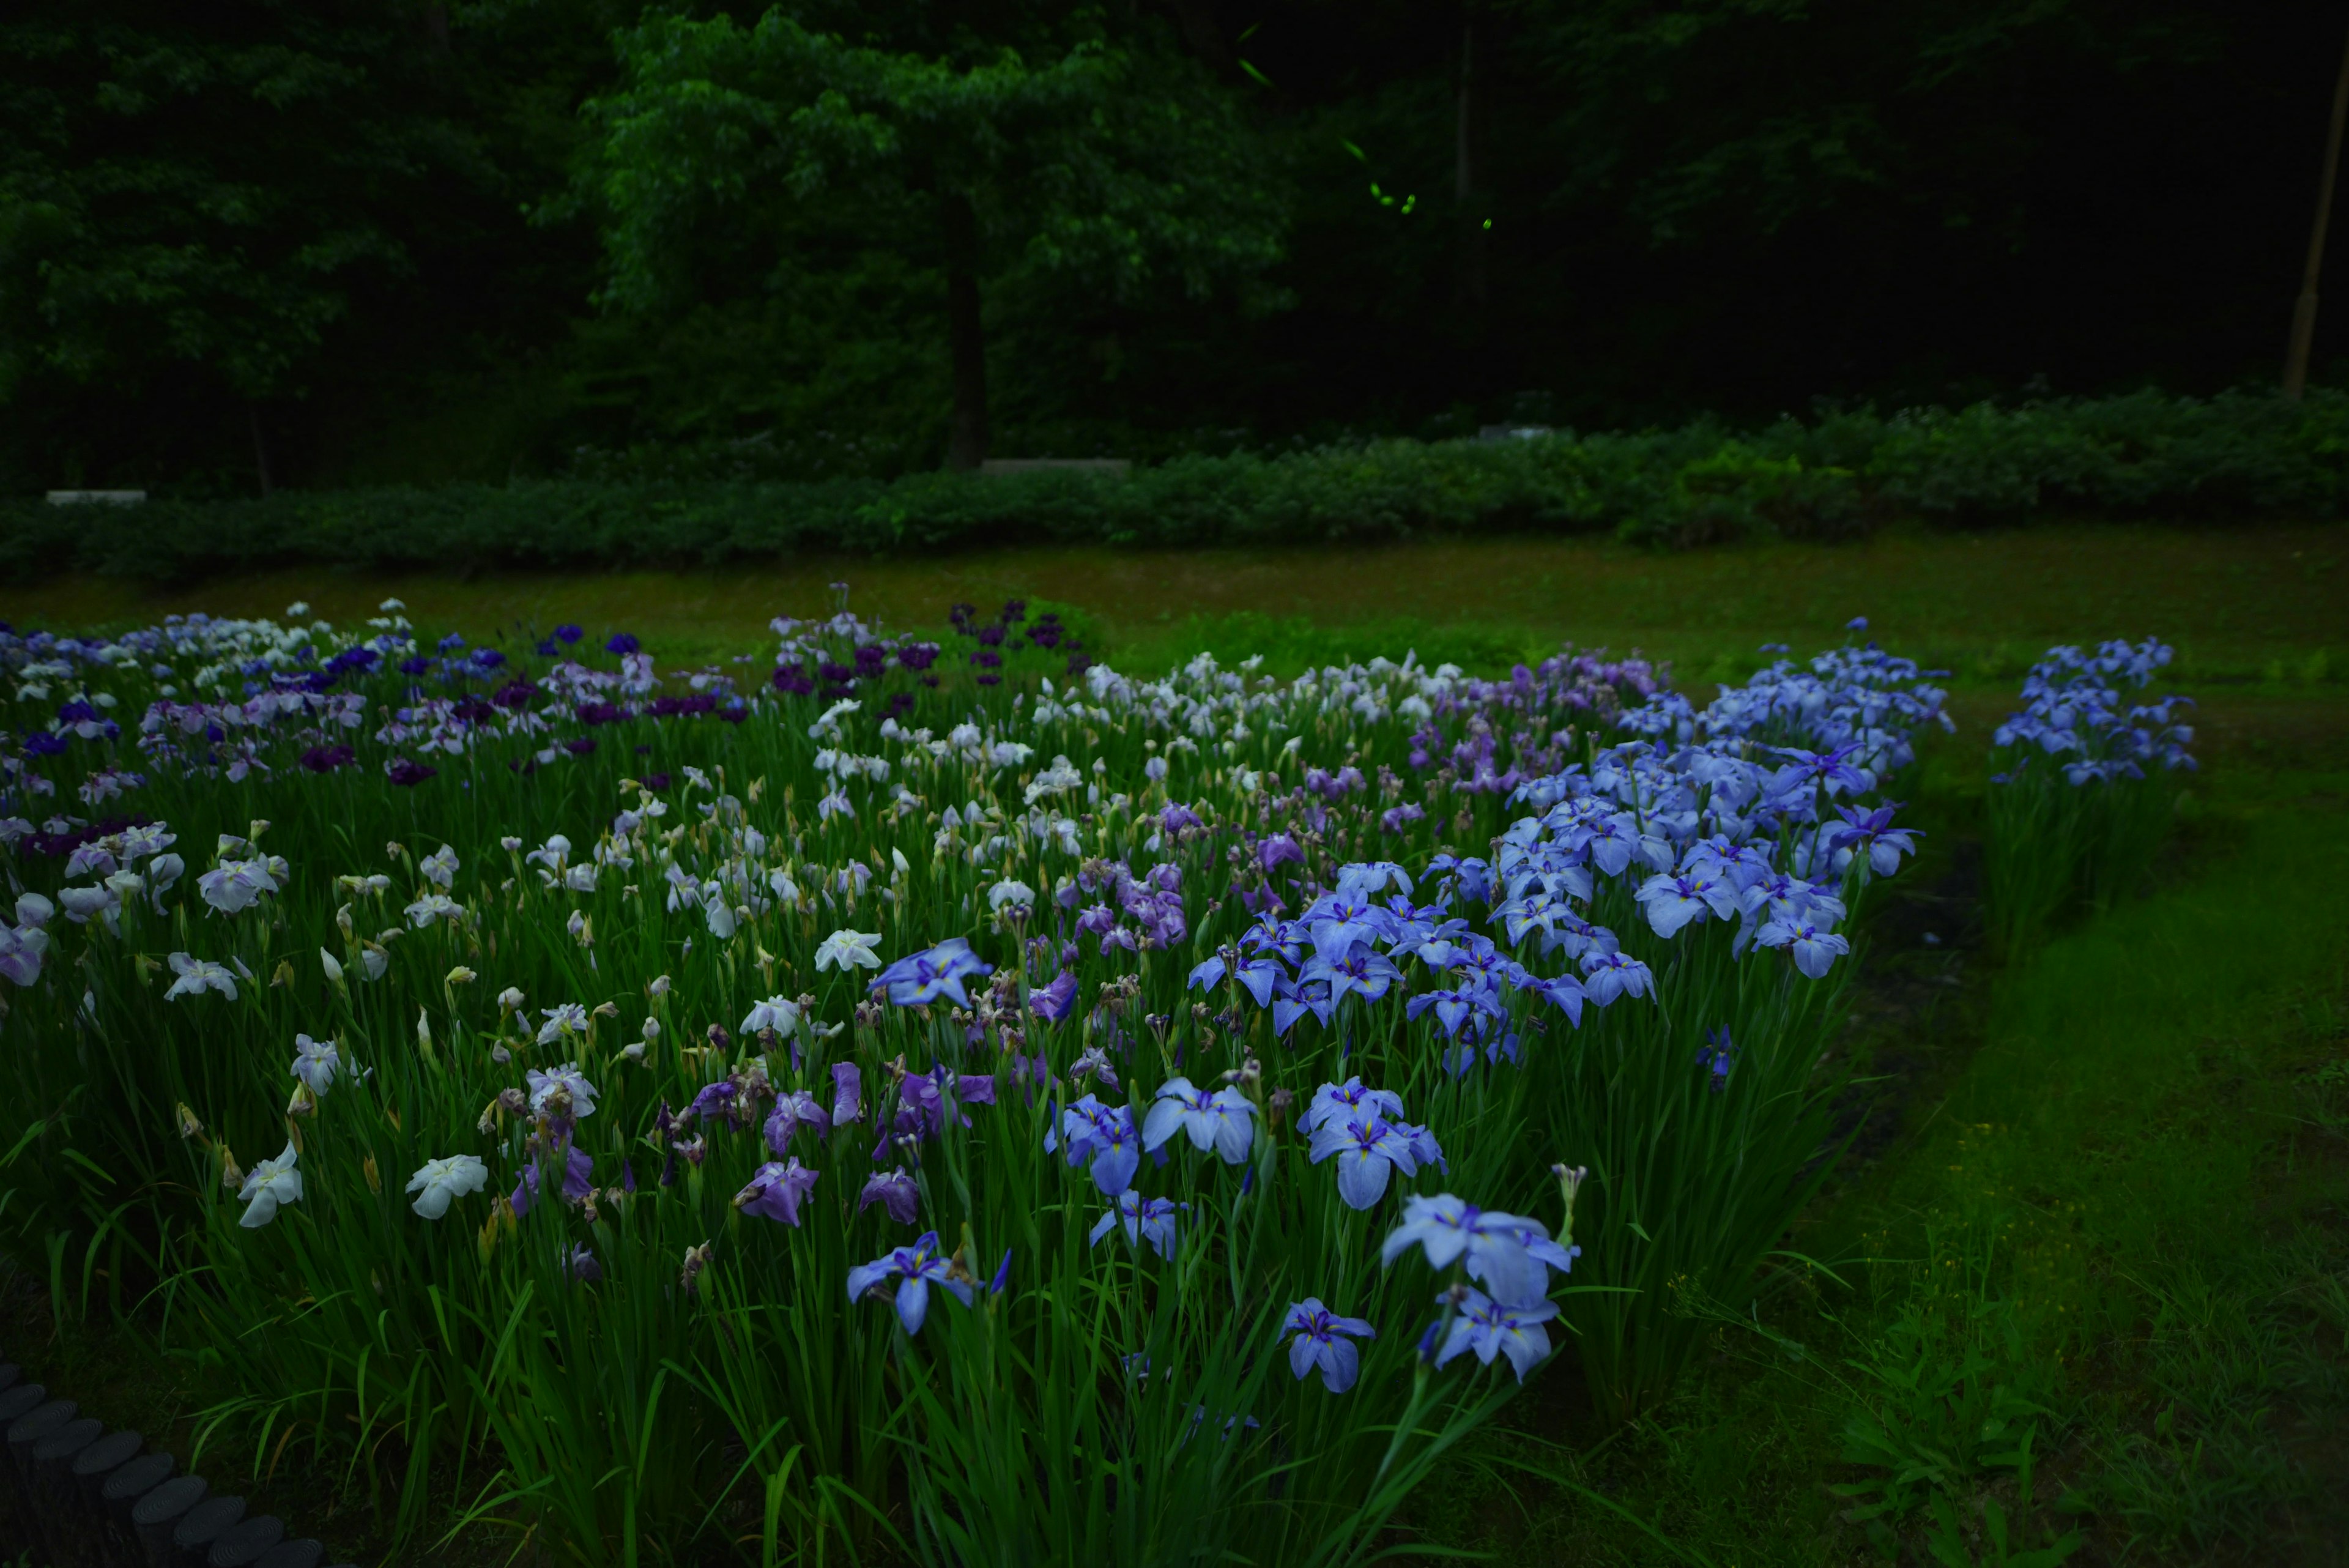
[2136, 457]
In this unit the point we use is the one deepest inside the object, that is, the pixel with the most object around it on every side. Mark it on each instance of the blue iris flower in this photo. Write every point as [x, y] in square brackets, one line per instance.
[1103, 1134]
[1324, 1342]
[1367, 1149]
[939, 972]
[919, 1267]
[1491, 1328]
[1222, 1119]
[1147, 1222]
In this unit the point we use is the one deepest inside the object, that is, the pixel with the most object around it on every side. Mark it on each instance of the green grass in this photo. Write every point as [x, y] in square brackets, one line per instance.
[2120, 1185]
[2258, 604]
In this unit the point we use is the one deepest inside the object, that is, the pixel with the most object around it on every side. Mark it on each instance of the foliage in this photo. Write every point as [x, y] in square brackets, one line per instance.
[1735, 204]
[1669, 488]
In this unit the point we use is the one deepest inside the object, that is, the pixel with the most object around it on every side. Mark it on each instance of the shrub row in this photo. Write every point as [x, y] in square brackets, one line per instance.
[2238, 455]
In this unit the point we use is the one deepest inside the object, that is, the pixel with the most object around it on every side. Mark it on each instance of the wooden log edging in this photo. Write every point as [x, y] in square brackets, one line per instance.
[75, 1495]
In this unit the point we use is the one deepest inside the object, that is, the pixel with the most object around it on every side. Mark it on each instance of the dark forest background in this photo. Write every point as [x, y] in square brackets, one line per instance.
[313, 242]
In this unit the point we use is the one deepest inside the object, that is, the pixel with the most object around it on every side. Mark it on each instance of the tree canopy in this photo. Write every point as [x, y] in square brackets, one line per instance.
[734, 154]
[416, 239]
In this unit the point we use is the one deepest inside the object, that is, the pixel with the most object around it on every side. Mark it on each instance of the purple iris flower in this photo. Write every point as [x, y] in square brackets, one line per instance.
[919, 1267]
[777, 1190]
[525, 1193]
[924, 977]
[1146, 1221]
[1280, 846]
[895, 1191]
[847, 1093]
[1318, 1344]
[1053, 1002]
[1176, 817]
[1490, 1329]
[621, 642]
[719, 1101]
[567, 634]
[793, 1111]
[1718, 1054]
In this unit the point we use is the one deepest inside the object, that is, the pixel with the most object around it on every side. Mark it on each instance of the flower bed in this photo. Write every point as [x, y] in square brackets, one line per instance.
[954, 1103]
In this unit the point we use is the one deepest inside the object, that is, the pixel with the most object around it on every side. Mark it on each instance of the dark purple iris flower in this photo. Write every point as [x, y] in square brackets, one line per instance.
[623, 642]
[1053, 1002]
[408, 774]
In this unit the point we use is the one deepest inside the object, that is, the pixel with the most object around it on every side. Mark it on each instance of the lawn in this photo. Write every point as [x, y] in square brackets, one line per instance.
[2093, 1225]
[2241, 604]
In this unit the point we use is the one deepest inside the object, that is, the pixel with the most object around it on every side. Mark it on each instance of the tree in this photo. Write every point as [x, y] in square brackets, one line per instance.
[738, 154]
[189, 199]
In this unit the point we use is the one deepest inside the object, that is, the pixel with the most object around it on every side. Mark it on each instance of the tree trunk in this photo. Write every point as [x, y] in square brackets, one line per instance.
[2303, 314]
[1467, 137]
[966, 338]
